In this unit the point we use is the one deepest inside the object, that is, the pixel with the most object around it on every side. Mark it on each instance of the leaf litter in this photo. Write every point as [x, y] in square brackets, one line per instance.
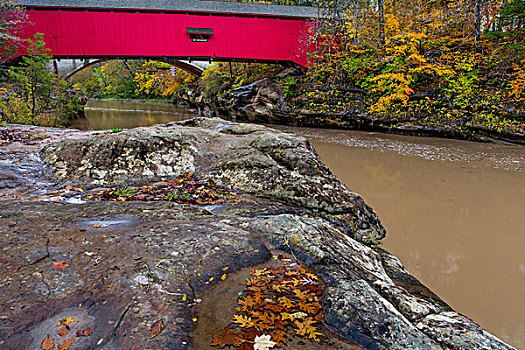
[277, 304]
[49, 343]
[186, 189]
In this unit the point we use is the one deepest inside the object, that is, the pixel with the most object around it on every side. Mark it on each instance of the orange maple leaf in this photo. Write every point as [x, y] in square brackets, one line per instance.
[67, 344]
[278, 337]
[309, 308]
[156, 328]
[48, 343]
[247, 303]
[244, 321]
[299, 294]
[304, 327]
[85, 332]
[287, 303]
[258, 297]
[227, 337]
[59, 265]
[263, 326]
[64, 330]
[256, 272]
[272, 307]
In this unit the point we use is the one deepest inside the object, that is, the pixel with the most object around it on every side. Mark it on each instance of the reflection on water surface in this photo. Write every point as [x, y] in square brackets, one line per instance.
[101, 115]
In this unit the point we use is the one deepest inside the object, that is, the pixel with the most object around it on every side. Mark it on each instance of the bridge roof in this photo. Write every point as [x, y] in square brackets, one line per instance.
[190, 6]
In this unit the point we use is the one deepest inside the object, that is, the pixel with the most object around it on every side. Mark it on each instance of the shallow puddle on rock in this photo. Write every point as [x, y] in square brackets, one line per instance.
[80, 320]
[116, 221]
[218, 306]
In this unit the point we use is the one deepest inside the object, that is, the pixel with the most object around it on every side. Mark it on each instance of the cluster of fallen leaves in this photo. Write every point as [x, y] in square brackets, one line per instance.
[49, 343]
[186, 189]
[8, 135]
[277, 301]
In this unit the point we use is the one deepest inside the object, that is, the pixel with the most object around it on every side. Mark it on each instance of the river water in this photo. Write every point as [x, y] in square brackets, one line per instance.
[454, 210]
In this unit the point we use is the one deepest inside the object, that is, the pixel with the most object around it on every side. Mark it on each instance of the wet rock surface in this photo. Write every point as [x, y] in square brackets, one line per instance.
[133, 263]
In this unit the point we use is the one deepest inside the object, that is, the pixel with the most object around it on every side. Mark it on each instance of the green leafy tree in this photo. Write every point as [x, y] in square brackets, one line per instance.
[33, 94]
[32, 79]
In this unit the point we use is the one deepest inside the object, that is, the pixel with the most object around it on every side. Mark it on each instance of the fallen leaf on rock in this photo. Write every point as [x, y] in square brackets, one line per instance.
[263, 342]
[156, 328]
[48, 343]
[64, 330]
[299, 315]
[227, 337]
[67, 344]
[69, 188]
[96, 225]
[278, 337]
[59, 265]
[243, 321]
[246, 346]
[65, 321]
[85, 332]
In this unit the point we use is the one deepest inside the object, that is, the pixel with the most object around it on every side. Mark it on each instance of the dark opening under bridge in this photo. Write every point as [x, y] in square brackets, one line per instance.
[172, 29]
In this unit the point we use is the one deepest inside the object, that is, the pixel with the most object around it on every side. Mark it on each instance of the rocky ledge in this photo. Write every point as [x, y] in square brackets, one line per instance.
[133, 263]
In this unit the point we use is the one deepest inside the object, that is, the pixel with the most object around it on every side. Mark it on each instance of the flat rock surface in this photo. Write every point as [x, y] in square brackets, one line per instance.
[132, 263]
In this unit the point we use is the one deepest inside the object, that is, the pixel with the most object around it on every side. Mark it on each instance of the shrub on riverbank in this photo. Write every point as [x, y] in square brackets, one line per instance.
[31, 94]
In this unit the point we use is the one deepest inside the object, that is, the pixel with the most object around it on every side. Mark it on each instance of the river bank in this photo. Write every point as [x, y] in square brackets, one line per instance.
[279, 198]
[266, 101]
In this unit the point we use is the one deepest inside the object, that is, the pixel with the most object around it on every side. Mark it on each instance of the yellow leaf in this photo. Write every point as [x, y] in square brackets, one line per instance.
[65, 321]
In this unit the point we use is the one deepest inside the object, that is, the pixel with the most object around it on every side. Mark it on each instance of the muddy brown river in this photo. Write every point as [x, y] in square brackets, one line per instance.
[454, 210]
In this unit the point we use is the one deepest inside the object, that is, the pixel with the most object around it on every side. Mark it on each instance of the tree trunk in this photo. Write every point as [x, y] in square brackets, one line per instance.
[477, 20]
[381, 22]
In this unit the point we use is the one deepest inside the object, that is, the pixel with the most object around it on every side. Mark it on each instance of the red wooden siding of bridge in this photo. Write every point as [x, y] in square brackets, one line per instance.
[76, 33]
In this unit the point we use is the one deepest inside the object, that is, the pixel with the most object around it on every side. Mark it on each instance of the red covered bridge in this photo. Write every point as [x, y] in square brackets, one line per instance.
[172, 29]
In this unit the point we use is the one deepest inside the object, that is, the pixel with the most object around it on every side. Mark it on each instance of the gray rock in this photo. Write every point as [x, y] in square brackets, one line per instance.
[251, 159]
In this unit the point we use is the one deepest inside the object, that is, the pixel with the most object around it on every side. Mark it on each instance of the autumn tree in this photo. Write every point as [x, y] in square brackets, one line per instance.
[441, 63]
[13, 19]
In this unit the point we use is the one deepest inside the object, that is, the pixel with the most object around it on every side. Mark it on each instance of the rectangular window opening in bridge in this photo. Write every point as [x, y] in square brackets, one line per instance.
[199, 34]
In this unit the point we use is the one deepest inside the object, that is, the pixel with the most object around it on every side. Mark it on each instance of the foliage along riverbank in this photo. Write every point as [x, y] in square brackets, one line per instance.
[451, 70]
[275, 94]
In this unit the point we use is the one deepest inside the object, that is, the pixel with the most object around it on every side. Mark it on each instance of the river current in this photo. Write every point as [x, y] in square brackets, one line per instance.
[454, 210]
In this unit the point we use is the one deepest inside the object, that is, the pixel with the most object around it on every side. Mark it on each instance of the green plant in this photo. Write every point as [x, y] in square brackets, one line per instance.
[288, 85]
[124, 192]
